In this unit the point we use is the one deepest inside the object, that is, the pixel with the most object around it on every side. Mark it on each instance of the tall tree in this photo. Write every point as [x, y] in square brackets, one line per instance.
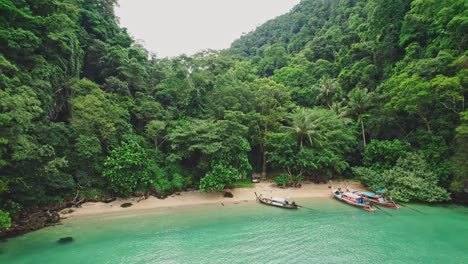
[306, 126]
[359, 102]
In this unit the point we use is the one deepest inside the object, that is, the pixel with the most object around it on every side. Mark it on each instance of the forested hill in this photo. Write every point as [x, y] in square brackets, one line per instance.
[368, 89]
[398, 68]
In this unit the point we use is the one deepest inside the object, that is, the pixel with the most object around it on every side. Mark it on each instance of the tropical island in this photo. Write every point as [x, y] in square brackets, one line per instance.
[367, 90]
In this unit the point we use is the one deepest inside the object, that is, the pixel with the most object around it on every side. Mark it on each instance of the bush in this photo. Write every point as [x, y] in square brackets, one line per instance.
[5, 220]
[369, 177]
[178, 182]
[243, 184]
[91, 193]
[282, 179]
[297, 178]
[381, 155]
[412, 179]
[12, 207]
[219, 177]
[127, 168]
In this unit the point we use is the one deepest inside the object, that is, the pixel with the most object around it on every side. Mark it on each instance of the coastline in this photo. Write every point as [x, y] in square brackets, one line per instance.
[197, 198]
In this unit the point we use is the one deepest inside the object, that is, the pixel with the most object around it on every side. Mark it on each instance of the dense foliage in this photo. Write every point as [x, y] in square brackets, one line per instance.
[397, 68]
[333, 87]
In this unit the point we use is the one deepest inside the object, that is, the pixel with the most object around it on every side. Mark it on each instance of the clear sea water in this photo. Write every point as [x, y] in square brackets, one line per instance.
[249, 232]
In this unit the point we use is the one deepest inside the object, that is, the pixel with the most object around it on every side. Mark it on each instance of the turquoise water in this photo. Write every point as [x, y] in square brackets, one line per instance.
[249, 232]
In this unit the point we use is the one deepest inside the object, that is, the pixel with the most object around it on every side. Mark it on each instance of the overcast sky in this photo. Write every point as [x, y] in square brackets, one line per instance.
[173, 27]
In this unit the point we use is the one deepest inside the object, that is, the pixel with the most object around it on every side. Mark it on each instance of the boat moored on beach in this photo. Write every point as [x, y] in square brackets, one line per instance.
[375, 198]
[277, 201]
[352, 199]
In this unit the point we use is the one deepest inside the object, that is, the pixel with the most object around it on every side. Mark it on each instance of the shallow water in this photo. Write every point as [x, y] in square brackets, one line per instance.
[249, 232]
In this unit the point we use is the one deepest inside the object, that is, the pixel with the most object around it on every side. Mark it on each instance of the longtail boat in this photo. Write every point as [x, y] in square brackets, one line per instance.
[352, 199]
[277, 201]
[375, 198]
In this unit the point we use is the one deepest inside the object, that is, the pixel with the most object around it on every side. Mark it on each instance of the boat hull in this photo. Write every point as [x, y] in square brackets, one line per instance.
[270, 202]
[362, 206]
[374, 199]
[385, 204]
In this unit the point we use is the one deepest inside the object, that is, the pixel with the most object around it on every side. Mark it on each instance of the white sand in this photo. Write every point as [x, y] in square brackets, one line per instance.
[193, 198]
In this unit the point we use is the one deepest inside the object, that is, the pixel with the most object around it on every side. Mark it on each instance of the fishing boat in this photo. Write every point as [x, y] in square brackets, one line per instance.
[277, 201]
[352, 199]
[375, 198]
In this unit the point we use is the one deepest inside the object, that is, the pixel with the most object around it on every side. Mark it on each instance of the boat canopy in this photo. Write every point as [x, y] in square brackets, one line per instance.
[371, 194]
[352, 195]
[279, 199]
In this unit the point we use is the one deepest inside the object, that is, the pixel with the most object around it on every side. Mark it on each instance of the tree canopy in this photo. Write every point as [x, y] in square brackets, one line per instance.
[364, 88]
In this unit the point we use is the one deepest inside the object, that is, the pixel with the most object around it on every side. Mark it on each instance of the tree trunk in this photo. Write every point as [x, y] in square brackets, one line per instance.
[301, 144]
[264, 166]
[363, 132]
[428, 126]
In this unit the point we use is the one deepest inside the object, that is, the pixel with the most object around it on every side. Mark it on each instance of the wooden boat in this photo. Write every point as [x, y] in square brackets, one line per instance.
[352, 199]
[375, 198]
[277, 201]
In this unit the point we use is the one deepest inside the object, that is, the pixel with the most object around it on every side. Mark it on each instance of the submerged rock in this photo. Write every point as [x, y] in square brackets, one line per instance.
[125, 205]
[65, 240]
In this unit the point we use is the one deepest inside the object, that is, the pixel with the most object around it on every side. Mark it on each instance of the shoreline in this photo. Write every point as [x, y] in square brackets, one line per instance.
[197, 198]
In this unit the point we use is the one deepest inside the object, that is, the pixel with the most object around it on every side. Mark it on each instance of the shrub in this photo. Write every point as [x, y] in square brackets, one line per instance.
[5, 220]
[282, 179]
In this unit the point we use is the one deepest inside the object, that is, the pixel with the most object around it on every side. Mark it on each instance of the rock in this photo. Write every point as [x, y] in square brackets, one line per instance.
[37, 223]
[109, 200]
[152, 191]
[138, 194]
[54, 217]
[65, 240]
[125, 205]
[228, 194]
[68, 211]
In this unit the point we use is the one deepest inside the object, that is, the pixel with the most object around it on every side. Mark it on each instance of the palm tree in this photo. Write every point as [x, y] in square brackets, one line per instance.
[359, 102]
[305, 124]
[329, 91]
[339, 109]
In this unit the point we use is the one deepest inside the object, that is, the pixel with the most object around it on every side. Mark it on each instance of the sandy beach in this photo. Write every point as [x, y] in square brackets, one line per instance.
[194, 198]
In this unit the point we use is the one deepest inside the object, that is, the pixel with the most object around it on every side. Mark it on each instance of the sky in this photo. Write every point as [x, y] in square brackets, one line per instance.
[170, 28]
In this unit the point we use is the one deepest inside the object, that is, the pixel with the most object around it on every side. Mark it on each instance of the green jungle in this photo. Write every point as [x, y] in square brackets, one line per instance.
[371, 90]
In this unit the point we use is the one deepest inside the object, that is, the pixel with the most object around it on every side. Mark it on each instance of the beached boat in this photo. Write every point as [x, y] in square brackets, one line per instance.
[352, 199]
[375, 198]
[277, 201]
